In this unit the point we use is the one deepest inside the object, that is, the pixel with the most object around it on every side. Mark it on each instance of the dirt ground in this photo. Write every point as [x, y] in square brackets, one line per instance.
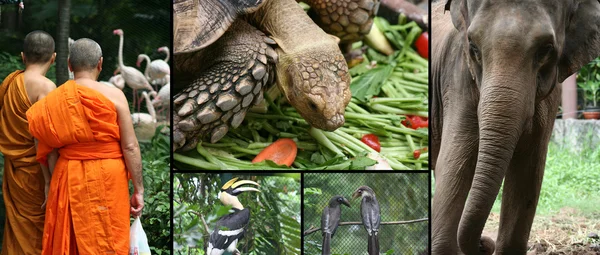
[567, 232]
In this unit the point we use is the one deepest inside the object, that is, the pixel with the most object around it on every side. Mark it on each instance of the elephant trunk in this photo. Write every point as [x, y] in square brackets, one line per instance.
[505, 105]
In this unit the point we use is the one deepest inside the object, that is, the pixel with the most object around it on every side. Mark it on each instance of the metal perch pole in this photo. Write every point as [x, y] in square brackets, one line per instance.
[312, 230]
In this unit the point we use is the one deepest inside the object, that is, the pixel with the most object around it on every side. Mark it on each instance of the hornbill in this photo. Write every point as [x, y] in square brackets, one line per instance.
[330, 220]
[369, 209]
[231, 227]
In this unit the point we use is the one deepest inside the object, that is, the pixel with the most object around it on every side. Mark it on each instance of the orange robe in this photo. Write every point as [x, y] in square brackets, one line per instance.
[23, 182]
[88, 203]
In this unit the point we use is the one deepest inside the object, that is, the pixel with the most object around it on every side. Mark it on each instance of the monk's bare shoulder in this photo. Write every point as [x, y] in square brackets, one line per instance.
[38, 87]
[48, 85]
[116, 96]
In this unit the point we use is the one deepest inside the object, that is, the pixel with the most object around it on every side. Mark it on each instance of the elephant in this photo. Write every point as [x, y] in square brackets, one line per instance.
[496, 69]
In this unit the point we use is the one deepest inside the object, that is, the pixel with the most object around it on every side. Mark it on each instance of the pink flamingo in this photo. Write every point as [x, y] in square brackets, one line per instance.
[133, 77]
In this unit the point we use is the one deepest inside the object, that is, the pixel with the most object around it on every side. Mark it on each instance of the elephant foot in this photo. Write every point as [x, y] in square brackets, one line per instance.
[486, 245]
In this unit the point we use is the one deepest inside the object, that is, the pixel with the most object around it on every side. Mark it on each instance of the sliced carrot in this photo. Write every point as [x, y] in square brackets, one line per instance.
[283, 152]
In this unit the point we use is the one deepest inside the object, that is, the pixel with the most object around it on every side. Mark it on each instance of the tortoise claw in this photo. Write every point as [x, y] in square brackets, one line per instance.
[269, 40]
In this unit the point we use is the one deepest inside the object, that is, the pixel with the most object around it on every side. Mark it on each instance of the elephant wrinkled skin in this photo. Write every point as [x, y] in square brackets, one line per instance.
[496, 73]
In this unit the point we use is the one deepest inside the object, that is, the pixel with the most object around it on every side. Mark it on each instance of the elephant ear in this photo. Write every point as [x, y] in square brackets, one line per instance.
[582, 38]
[459, 13]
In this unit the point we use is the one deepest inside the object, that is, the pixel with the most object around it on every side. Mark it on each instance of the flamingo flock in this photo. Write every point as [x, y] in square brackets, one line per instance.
[156, 76]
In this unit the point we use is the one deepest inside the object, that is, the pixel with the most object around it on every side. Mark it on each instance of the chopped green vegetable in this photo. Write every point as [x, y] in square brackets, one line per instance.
[384, 90]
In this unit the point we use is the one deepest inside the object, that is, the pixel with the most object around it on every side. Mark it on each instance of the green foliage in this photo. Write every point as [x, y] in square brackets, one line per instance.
[9, 64]
[570, 180]
[401, 197]
[156, 215]
[146, 24]
[588, 79]
[12, 63]
[274, 227]
[369, 84]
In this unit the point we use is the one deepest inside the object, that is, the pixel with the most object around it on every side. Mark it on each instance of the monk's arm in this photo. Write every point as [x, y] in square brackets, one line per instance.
[45, 169]
[129, 143]
[52, 158]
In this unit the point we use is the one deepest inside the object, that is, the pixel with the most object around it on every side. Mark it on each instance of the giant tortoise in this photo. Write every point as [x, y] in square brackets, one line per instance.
[233, 49]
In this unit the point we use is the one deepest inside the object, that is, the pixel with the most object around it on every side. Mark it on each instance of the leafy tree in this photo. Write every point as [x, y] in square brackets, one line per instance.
[157, 185]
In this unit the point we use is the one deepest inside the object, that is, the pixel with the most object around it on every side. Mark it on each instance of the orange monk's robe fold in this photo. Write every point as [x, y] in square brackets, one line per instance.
[87, 211]
[23, 181]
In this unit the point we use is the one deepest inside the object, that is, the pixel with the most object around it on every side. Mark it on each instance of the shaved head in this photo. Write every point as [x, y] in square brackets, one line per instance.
[85, 54]
[38, 47]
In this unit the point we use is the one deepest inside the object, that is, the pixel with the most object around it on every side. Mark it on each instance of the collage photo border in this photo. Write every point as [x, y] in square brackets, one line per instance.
[302, 173]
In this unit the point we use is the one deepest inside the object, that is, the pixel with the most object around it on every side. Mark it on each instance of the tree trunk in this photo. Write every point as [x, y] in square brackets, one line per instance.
[62, 35]
[8, 17]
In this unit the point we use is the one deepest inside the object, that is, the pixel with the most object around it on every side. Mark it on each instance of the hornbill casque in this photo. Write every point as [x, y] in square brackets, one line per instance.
[231, 227]
[330, 220]
[369, 210]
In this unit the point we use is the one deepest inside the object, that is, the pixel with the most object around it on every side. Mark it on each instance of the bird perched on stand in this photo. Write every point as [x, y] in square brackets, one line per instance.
[231, 227]
[369, 210]
[330, 220]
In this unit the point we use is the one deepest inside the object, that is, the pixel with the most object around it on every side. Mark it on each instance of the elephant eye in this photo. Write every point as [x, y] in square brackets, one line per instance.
[545, 52]
[474, 51]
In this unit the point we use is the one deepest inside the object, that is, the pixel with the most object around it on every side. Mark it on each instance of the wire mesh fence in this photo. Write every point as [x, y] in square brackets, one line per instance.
[404, 205]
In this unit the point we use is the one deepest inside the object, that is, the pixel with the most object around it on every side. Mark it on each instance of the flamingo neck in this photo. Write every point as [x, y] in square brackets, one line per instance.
[121, 51]
[150, 106]
[147, 64]
[168, 54]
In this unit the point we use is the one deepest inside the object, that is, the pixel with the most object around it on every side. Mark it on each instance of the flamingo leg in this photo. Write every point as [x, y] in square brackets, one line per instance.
[135, 100]
[139, 103]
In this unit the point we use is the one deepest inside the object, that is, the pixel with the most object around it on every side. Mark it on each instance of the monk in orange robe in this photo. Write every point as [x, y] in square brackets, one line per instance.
[24, 184]
[88, 209]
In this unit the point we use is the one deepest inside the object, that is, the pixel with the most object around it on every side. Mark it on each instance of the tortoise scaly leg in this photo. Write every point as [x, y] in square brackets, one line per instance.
[238, 68]
[349, 20]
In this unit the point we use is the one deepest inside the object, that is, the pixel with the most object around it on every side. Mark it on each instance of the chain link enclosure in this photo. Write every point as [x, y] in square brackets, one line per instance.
[401, 197]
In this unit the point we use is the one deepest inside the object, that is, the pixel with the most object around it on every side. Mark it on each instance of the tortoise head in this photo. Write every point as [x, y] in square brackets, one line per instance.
[317, 84]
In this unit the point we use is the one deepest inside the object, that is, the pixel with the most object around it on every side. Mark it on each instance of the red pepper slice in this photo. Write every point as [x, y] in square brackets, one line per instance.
[415, 122]
[422, 45]
[417, 154]
[372, 141]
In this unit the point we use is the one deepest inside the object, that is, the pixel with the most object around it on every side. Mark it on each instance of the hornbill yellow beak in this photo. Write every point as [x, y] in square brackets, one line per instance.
[233, 187]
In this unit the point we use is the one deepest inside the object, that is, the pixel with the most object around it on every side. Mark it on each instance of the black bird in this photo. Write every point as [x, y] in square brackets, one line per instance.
[231, 227]
[330, 220]
[369, 209]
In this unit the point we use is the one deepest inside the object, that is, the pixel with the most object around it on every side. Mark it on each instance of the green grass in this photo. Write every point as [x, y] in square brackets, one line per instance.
[570, 180]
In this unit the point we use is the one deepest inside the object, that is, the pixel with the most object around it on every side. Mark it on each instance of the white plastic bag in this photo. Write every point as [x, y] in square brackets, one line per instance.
[138, 242]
